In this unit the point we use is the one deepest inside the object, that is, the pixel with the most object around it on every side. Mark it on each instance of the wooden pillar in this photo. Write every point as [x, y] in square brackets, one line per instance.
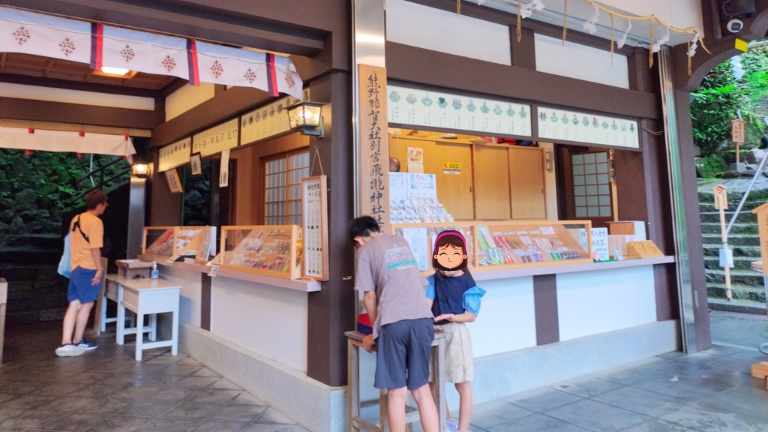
[331, 311]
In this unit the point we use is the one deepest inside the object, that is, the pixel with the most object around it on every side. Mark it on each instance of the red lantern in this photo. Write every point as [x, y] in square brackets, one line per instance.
[79, 155]
[28, 153]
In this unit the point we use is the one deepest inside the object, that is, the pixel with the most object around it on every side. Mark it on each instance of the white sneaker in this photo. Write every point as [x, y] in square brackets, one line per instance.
[69, 350]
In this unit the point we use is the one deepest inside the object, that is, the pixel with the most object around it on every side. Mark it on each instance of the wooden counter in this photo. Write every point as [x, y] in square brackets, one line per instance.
[484, 274]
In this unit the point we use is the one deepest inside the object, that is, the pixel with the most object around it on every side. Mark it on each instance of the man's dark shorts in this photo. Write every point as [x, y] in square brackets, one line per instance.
[404, 349]
[80, 286]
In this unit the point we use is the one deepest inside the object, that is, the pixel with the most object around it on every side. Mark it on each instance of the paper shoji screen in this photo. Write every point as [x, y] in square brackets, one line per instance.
[283, 188]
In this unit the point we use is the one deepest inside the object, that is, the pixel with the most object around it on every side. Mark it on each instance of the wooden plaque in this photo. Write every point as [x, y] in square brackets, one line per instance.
[314, 202]
[373, 194]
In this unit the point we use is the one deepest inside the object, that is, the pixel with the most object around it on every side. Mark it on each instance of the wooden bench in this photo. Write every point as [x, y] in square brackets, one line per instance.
[437, 384]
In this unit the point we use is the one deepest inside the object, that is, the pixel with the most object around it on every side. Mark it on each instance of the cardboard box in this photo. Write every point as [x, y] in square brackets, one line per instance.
[636, 229]
[133, 268]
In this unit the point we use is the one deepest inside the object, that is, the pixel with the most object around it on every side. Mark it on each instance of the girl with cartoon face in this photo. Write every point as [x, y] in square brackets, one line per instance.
[455, 302]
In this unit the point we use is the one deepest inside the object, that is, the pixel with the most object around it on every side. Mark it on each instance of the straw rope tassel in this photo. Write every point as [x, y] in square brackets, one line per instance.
[650, 48]
[519, 29]
[613, 39]
[690, 61]
[458, 7]
[565, 20]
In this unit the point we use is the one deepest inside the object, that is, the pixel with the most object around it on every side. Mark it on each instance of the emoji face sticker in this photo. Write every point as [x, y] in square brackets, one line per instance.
[450, 257]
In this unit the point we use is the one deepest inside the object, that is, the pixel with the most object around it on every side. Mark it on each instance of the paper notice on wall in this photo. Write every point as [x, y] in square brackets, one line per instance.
[398, 187]
[417, 240]
[224, 169]
[600, 251]
[415, 160]
[423, 186]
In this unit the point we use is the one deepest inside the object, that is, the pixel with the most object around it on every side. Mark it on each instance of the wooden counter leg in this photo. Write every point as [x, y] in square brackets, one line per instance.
[120, 324]
[139, 336]
[353, 374]
[153, 327]
[175, 333]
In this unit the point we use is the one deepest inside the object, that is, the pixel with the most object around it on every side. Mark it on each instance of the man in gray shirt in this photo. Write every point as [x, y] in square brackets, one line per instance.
[393, 293]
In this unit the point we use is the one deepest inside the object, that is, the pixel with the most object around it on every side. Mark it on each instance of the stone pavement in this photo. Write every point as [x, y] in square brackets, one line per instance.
[738, 329]
[106, 390]
[704, 392]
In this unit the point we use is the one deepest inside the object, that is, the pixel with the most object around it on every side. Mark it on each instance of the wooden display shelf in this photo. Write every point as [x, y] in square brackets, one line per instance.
[272, 243]
[186, 241]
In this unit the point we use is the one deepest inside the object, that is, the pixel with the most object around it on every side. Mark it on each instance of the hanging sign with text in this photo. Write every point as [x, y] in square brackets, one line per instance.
[737, 131]
[217, 138]
[374, 146]
[314, 200]
[580, 127]
[174, 155]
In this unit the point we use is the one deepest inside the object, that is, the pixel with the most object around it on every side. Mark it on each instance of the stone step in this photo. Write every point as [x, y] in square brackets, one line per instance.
[748, 206]
[734, 198]
[741, 277]
[740, 292]
[738, 251]
[737, 305]
[733, 239]
[739, 263]
[738, 228]
[744, 217]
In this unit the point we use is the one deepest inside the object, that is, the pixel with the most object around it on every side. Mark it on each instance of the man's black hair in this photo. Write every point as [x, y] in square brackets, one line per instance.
[94, 198]
[364, 226]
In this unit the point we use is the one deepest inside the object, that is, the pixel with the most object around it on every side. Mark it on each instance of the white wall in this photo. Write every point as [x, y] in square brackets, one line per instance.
[590, 303]
[507, 320]
[191, 289]
[581, 62]
[426, 27]
[271, 322]
[680, 13]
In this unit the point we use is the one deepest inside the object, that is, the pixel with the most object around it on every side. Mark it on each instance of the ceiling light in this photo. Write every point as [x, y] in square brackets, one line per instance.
[111, 71]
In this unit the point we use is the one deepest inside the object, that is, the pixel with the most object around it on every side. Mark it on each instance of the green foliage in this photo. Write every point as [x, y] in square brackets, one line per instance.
[722, 97]
[36, 191]
[711, 166]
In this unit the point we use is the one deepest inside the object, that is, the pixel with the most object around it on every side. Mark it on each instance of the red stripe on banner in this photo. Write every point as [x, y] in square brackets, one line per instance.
[272, 75]
[194, 67]
[97, 46]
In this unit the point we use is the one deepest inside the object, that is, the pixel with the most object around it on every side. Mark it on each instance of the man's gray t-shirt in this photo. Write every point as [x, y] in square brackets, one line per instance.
[385, 264]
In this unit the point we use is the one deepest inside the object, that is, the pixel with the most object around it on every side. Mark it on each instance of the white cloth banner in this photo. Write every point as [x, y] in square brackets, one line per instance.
[145, 52]
[232, 66]
[60, 141]
[288, 80]
[44, 35]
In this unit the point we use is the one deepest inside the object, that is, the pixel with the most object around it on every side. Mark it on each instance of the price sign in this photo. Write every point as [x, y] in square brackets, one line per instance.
[737, 131]
[314, 199]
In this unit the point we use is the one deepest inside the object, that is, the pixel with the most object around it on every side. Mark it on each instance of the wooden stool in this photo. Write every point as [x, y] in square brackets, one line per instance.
[437, 384]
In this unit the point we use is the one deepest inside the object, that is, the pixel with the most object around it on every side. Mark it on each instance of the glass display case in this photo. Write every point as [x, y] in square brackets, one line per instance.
[421, 238]
[172, 243]
[271, 250]
[517, 244]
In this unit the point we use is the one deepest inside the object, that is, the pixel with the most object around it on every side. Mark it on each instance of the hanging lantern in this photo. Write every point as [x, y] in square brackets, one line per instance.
[28, 153]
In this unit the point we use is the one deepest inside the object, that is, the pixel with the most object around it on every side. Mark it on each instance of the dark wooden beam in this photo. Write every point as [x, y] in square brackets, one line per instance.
[46, 111]
[432, 68]
[331, 311]
[76, 85]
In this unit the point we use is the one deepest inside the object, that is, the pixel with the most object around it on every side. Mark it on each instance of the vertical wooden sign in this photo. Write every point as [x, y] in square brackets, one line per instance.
[314, 201]
[738, 138]
[721, 204]
[374, 145]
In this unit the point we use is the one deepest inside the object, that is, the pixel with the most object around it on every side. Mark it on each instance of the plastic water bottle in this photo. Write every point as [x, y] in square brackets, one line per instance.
[155, 271]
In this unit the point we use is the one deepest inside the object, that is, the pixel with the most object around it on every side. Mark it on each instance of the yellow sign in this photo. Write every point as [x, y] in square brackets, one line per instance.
[742, 45]
[452, 165]
[174, 155]
[217, 138]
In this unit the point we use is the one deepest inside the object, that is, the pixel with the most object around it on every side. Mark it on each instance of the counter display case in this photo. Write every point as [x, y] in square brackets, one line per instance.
[270, 250]
[517, 244]
[507, 244]
[421, 238]
[171, 243]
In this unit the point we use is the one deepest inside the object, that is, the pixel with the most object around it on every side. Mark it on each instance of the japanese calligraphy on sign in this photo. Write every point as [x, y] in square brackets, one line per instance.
[374, 147]
[314, 200]
[217, 138]
[174, 155]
